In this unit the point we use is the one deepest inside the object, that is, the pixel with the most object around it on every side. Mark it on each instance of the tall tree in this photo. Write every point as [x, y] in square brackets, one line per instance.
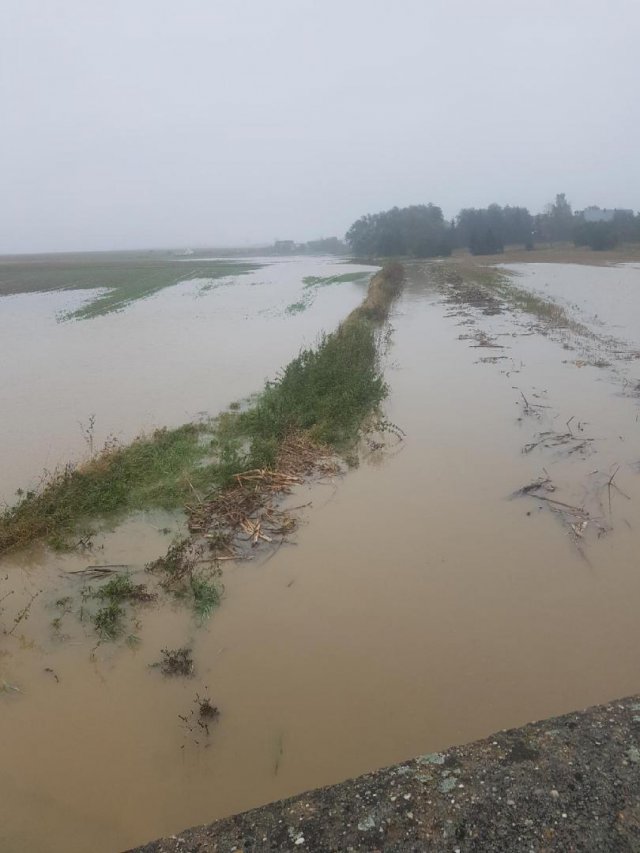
[418, 231]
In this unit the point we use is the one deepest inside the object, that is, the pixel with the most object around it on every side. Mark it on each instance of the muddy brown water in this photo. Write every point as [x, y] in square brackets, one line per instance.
[419, 606]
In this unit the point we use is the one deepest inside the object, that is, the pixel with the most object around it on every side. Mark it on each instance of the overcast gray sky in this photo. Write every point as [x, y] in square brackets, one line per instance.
[148, 123]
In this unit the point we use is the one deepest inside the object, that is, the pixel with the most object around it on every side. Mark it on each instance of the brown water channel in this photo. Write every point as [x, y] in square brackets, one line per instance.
[419, 606]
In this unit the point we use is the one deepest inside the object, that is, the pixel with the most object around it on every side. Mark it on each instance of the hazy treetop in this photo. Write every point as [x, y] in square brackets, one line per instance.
[135, 123]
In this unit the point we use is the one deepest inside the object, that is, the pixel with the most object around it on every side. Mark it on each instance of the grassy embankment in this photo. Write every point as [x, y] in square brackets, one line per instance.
[123, 278]
[326, 393]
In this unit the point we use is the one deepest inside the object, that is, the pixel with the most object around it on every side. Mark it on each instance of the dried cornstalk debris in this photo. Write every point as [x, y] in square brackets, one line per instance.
[577, 519]
[542, 483]
[568, 440]
[248, 511]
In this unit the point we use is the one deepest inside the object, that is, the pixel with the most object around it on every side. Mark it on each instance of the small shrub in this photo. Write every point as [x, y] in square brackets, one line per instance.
[108, 620]
[206, 596]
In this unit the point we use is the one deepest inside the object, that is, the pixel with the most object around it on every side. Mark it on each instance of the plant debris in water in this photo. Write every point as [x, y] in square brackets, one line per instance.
[176, 662]
[121, 588]
[206, 710]
[182, 577]
[200, 717]
[177, 564]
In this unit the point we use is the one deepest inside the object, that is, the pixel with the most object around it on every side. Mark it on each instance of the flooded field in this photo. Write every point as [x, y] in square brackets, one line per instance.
[606, 298]
[479, 574]
[161, 361]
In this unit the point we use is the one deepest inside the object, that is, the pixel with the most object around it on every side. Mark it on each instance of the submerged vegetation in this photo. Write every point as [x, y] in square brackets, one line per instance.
[114, 280]
[313, 282]
[492, 290]
[108, 620]
[176, 662]
[325, 393]
[323, 281]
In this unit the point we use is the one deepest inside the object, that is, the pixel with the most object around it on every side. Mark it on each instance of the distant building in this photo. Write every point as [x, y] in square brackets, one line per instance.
[284, 247]
[602, 214]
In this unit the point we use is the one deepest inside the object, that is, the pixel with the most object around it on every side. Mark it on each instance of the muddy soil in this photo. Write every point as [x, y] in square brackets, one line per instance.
[480, 574]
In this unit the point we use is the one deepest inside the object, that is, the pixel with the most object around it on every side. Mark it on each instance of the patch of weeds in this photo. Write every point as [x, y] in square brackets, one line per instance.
[206, 596]
[326, 391]
[176, 662]
[200, 717]
[158, 471]
[177, 570]
[206, 710]
[297, 307]
[176, 565]
[108, 620]
[121, 588]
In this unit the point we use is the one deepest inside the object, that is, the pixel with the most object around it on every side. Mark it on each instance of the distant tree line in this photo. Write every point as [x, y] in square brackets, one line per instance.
[421, 231]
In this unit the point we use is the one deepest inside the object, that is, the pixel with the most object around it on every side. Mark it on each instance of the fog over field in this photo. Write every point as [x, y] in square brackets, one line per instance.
[151, 123]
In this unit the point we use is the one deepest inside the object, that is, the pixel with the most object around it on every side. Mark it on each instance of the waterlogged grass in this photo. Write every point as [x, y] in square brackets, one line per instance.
[501, 286]
[324, 281]
[108, 621]
[327, 391]
[206, 596]
[298, 307]
[119, 588]
[312, 283]
[160, 470]
[181, 576]
[117, 279]
[545, 310]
